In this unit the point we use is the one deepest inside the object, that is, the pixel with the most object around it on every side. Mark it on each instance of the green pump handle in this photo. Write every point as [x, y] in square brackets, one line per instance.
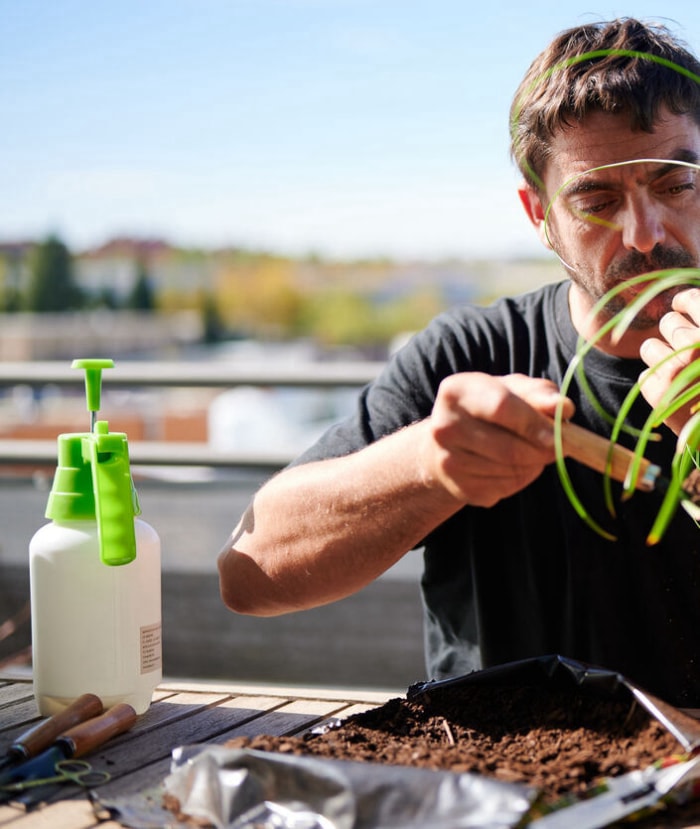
[116, 502]
[107, 455]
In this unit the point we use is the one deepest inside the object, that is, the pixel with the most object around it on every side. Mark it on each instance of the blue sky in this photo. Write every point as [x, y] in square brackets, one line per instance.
[343, 127]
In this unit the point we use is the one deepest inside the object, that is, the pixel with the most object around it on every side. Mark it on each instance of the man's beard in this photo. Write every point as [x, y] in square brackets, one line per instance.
[636, 264]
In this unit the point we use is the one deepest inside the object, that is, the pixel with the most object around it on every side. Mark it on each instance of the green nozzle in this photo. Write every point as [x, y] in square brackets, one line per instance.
[93, 479]
[93, 382]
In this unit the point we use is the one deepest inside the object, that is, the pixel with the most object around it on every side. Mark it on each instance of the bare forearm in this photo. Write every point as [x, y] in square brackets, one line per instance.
[318, 532]
[321, 531]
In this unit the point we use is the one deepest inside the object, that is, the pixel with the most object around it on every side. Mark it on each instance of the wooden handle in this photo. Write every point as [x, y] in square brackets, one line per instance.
[93, 733]
[594, 451]
[36, 739]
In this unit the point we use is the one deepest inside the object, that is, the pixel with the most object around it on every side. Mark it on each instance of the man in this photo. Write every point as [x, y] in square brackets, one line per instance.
[452, 448]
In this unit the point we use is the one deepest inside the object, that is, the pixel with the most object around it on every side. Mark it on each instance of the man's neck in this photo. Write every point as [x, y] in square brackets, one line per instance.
[589, 327]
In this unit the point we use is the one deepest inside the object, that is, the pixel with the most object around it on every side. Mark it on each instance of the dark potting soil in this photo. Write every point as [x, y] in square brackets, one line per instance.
[560, 742]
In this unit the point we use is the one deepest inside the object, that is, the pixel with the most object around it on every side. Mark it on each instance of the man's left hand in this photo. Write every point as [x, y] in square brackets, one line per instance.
[676, 348]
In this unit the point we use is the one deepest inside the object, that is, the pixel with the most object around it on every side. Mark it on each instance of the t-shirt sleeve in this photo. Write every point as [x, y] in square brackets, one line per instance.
[402, 394]
[495, 339]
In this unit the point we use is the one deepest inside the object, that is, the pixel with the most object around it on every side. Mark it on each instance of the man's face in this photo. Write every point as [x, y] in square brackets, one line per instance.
[610, 223]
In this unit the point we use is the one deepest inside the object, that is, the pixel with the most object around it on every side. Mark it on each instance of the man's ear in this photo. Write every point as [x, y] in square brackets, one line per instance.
[531, 201]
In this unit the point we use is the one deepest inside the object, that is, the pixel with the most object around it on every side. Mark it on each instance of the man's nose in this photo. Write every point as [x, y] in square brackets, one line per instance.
[642, 225]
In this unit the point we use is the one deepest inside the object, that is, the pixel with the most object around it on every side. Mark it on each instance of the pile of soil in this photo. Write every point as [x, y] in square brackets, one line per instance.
[562, 742]
[557, 741]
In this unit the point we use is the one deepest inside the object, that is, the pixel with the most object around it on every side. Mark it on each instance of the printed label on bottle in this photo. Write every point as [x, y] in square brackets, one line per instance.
[151, 648]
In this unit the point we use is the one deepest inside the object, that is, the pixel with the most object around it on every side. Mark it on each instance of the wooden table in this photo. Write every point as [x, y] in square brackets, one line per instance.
[186, 712]
[183, 712]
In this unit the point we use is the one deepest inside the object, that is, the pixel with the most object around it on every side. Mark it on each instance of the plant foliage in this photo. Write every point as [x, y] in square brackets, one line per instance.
[682, 391]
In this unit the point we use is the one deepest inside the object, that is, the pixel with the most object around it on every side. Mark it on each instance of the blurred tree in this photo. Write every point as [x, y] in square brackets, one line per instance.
[12, 261]
[12, 300]
[341, 317]
[107, 298]
[213, 328]
[260, 296]
[51, 283]
[142, 297]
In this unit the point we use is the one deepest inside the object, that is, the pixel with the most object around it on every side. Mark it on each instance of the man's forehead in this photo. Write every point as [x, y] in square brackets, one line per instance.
[603, 140]
[635, 171]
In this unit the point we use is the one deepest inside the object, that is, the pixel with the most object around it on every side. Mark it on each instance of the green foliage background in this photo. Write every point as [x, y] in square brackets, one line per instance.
[248, 293]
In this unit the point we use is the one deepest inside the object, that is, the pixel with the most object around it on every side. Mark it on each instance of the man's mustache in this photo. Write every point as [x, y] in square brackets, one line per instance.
[660, 258]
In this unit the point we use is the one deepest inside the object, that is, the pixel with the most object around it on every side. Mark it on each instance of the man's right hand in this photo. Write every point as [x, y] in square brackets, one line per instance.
[488, 437]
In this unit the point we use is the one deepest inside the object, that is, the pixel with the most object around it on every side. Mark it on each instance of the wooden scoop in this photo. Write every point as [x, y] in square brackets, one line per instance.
[595, 452]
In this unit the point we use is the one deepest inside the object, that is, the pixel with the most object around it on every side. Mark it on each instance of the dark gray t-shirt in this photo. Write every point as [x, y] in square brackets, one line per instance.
[528, 576]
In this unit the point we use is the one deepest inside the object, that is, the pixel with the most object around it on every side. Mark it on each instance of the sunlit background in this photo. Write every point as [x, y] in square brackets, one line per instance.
[237, 185]
[341, 127]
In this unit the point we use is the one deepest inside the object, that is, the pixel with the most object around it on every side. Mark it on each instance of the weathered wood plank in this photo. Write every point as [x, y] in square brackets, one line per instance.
[293, 718]
[253, 689]
[359, 708]
[182, 714]
[16, 719]
[10, 694]
[65, 814]
[171, 709]
[154, 773]
[238, 716]
[127, 755]
[9, 815]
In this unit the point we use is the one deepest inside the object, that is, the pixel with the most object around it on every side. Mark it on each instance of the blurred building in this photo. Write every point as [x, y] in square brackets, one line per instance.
[99, 333]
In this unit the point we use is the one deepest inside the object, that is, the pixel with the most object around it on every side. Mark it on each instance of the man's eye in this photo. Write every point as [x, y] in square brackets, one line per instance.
[679, 184]
[593, 207]
[681, 188]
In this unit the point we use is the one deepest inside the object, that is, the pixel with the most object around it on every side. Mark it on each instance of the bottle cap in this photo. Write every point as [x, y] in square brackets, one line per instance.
[93, 478]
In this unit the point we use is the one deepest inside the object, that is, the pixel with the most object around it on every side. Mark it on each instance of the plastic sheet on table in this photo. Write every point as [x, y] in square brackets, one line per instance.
[248, 789]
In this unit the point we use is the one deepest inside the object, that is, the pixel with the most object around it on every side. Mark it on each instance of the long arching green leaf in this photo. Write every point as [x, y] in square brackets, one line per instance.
[683, 390]
[683, 460]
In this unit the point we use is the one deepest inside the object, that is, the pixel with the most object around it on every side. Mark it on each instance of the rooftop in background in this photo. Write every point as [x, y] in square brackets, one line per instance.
[114, 265]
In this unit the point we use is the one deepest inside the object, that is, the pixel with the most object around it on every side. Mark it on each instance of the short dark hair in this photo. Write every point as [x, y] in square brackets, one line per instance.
[621, 66]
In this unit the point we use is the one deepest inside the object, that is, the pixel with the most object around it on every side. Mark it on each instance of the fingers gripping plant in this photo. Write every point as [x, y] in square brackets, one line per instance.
[684, 389]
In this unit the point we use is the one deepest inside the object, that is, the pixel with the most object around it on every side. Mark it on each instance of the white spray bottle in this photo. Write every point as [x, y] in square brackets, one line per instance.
[95, 576]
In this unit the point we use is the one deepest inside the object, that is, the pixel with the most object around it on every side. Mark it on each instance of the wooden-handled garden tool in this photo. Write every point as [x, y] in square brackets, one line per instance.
[596, 452]
[42, 735]
[52, 767]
